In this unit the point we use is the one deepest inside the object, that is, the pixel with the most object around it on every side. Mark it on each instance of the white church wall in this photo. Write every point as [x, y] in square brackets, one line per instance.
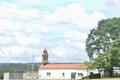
[58, 73]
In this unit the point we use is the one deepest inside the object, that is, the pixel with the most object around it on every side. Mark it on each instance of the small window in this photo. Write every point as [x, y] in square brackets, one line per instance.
[48, 74]
[80, 74]
[39, 75]
[63, 74]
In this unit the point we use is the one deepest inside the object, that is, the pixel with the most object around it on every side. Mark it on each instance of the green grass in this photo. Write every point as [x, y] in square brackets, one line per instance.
[106, 79]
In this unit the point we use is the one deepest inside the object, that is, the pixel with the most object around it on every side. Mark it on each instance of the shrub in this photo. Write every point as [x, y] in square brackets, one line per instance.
[94, 76]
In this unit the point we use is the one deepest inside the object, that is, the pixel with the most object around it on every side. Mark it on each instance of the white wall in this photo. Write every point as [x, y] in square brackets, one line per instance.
[6, 76]
[9, 76]
[58, 73]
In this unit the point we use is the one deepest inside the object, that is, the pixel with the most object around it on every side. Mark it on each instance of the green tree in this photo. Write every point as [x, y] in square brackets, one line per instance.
[107, 61]
[103, 44]
[106, 35]
[112, 57]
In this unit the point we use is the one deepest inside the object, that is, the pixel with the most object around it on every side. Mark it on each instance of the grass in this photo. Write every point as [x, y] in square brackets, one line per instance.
[106, 79]
[70, 79]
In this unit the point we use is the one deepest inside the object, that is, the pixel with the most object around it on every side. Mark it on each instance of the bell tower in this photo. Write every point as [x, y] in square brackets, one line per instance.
[45, 57]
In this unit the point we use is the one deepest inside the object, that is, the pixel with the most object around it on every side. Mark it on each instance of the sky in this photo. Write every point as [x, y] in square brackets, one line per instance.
[27, 27]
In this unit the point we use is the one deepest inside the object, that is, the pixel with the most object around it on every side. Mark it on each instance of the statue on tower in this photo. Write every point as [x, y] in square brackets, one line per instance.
[45, 57]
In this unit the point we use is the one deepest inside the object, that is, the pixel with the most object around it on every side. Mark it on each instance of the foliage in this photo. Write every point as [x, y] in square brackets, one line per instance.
[94, 76]
[109, 59]
[103, 44]
[105, 36]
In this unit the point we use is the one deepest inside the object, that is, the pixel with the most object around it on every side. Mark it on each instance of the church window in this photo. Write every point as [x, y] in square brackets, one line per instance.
[80, 74]
[63, 74]
[48, 74]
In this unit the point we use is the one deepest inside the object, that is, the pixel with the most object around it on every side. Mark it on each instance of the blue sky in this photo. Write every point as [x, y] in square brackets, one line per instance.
[61, 26]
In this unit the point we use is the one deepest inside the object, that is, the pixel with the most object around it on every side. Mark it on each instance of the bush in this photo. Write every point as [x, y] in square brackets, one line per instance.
[94, 76]
[1, 76]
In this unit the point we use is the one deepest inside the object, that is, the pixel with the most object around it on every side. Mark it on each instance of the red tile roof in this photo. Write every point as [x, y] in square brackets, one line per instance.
[63, 66]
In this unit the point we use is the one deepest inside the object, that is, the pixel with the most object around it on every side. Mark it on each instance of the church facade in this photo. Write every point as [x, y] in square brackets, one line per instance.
[61, 71]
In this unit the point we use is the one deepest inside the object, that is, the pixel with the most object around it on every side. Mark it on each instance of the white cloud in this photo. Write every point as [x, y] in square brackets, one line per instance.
[14, 47]
[15, 36]
[31, 1]
[75, 39]
[44, 29]
[5, 24]
[38, 59]
[75, 35]
[114, 3]
[1, 54]
[72, 41]
[11, 51]
[18, 53]
[16, 61]
[75, 14]
[59, 51]
[67, 54]
[23, 39]
[5, 40]
[22, 14]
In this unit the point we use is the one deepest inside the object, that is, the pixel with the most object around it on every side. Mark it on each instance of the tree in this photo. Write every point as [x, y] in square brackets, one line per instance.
[103, 44]
[106, 35]
[107, 61]
[112, 57]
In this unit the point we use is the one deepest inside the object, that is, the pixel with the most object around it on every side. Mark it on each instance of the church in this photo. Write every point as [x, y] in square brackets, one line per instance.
[61, 70]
